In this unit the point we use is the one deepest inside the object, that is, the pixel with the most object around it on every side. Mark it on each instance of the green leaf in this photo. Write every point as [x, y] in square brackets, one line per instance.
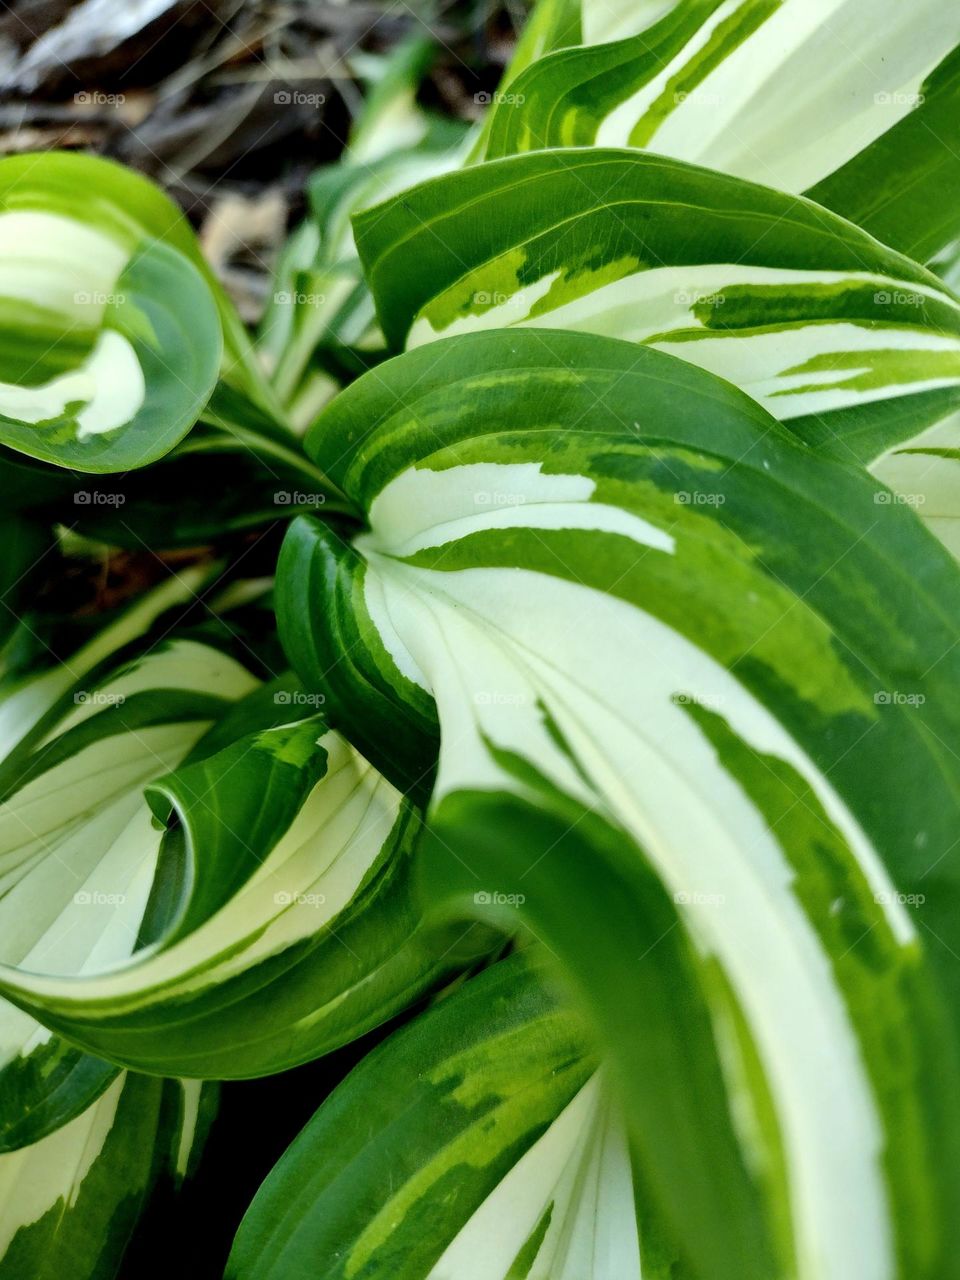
[855, 347]
[29, 690]
[110, 338]
[274, 917]
[923, 473]
[78, 848]
[905, 188]
[69, 1202]
[320, 302]
[819, 323]
[115, 334]
[485, 1096]
[224, 481]
[667, 645]
[844, 100]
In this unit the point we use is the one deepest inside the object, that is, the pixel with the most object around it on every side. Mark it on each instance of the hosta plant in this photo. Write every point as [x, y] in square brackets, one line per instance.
[594, 752]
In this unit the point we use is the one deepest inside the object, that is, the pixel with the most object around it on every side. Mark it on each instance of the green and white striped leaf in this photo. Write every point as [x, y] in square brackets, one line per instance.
[110, 339]
[114, 333]
[29, 690]
[845, 99]
[69, 1202]
[444, 1152]
[855, 347]
[562, 24]
[565, 1211]
[905, 187]
[78, 848]
[267, 912]
[696, 697]
[924, 473]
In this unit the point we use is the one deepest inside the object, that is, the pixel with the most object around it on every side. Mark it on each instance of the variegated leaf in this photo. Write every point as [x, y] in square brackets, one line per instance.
[251, 912]
[321, 305]
[856, 102]
[855, 347]
[686, 733]
[114, 334]
[78, 848]
[27, 692]
[470, 1146]
[69, 1202]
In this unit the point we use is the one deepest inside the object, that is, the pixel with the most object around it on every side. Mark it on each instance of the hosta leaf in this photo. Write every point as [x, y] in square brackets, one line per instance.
[801, 309]
[75, 875]
[224, 483]
[28, 691]
[565, 1211]
[845, 97]
[854, 346]
[924, 474]
[560, 24]
[273, 917]
[110, 339]
[29, 485]
[69, 1202]
[458, 1107]
[667, 645]
[905, 188]
[114, 332]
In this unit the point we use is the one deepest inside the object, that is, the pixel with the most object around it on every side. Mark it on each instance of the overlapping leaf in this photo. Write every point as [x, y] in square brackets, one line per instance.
[321, 308]
[69, 1202]
[695, 729]
[855, 347]
[854, 102]
[485, 1152]
[114, 331]
[78, 849]
[270, 920]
